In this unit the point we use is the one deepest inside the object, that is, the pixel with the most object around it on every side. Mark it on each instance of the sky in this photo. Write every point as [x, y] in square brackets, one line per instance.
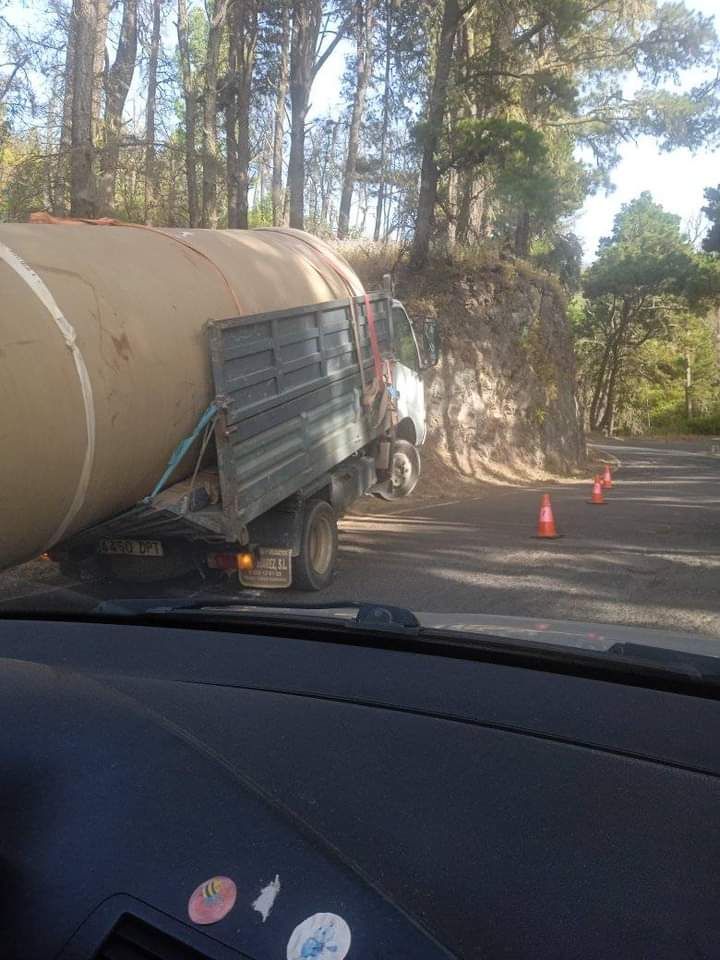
[675, 179]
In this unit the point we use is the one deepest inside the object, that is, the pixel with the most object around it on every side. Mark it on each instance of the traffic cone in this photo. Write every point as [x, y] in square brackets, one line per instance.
[546, 522]
[607, 477]
[597, 494]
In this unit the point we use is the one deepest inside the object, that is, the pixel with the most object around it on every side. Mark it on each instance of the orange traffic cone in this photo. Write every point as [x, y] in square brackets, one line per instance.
[546, 521]
[597, 494]
[607, 477]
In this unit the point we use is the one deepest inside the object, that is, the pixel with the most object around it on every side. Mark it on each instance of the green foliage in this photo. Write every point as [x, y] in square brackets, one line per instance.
[647, 354]
[708, 425]
[562, 256]
[654, 397]
[645, 257]
[524, 105]
[711, 243]
[22, 178]
[509, 143]
[260, 215]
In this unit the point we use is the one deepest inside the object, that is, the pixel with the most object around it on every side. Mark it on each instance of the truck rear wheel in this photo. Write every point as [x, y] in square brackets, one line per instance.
[403, 473]
[313, 567]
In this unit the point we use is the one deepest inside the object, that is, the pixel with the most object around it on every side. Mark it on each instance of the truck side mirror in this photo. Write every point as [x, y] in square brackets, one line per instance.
[428, 338]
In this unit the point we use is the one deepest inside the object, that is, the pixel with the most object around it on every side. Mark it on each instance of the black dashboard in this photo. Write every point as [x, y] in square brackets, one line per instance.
[320, 800]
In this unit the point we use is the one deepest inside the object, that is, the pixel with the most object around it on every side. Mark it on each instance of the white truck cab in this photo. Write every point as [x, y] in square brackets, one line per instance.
[410, 362]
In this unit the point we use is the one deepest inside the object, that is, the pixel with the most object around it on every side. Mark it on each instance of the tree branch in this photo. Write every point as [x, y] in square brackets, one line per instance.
[327, 53]
[8, 82]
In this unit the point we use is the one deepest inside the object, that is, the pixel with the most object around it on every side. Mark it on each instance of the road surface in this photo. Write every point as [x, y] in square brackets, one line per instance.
[650, 557]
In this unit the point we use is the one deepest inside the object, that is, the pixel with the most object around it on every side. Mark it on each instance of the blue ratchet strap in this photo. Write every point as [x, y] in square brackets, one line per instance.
[182, 448]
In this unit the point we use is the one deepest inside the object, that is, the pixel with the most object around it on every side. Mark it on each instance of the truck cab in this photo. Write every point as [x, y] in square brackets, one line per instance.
[415, 351]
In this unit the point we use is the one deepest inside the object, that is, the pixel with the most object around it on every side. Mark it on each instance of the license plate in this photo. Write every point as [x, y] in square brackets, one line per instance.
[131, 548]
[272, 569]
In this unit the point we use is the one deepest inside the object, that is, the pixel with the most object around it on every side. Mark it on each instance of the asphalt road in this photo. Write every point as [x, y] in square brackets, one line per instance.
[649, 557]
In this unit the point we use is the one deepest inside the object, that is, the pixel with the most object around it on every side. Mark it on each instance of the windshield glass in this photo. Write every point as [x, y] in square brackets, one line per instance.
[414, 305]
[405, 346]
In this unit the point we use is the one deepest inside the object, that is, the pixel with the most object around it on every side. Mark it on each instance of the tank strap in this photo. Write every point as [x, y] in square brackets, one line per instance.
[42, 217]
[67, 331]
[346, 280]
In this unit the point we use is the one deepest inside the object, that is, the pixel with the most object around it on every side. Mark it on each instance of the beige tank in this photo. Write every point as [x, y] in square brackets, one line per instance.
[104, 363]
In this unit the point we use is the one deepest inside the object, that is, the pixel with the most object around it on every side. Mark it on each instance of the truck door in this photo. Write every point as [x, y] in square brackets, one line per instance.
[408, 378]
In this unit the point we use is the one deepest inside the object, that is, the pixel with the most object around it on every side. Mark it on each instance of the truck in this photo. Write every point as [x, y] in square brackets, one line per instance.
[313, 407]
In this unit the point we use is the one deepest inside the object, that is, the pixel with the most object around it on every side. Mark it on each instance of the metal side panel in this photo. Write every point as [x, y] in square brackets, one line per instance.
[289, 388]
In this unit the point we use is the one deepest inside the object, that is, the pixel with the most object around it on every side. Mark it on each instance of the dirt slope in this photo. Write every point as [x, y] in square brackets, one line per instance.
[501, 402]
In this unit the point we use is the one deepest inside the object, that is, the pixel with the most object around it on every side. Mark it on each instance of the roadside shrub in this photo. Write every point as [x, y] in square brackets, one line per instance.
[707, 425]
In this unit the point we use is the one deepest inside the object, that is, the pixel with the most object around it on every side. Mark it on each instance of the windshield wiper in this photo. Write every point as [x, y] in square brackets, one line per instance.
[389, 627]
[358, 613]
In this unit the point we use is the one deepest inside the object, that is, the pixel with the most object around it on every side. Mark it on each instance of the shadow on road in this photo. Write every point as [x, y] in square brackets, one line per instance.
[650, 557]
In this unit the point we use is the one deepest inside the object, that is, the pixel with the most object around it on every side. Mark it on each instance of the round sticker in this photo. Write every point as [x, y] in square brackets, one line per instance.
[212, 900]
[324, 936]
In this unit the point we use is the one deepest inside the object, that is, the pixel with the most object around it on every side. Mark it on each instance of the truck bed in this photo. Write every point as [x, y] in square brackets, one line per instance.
[289, 392]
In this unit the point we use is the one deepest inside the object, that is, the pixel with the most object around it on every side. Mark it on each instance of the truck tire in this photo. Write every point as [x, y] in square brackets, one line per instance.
[313, 568]
[403, 474]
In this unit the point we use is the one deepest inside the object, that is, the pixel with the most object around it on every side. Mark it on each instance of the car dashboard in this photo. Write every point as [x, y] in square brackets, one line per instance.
[174, 792]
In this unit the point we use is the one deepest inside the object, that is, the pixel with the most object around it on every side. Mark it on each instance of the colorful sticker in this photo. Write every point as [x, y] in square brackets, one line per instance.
[324, 936]
[212, 900]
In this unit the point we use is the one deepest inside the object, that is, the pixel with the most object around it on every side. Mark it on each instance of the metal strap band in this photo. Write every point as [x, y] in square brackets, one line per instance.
[67, 331]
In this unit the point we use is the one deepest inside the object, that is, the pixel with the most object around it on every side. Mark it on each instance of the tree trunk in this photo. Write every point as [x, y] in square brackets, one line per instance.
[82, 187]
[246, 63]
[210, 166]
[172, 218]
[385, 120]
[429, 174]
[688, 386]
[607, 422]
[242, 37]
[190, 97]
[230, 99]
[102, 14]
[119, 79]
[470, 208]
[304, 66]
[61, 182]
[150, 108]
[305, 29]
[598, 390]
[278, 213]
[326, 178]
[363, 46]
[522, 234]
[451, 211]
[389, 225]
[363, 204]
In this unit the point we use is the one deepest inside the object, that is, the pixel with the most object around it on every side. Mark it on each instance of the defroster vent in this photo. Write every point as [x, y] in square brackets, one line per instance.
[133, 939]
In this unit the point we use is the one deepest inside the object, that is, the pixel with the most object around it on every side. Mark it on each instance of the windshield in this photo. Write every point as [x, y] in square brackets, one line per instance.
[405, 347]
[411, 305]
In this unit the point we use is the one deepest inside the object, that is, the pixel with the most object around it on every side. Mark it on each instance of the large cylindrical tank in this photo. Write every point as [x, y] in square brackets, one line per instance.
[104, 363]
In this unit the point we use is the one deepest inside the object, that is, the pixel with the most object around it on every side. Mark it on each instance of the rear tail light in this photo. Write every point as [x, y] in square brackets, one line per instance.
[231, 561]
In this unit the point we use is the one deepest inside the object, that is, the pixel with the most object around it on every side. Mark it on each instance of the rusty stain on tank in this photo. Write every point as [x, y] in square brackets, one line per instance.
[122, 345]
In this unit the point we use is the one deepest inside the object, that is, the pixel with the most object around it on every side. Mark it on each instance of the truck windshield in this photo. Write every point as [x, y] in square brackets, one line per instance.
[403, 339]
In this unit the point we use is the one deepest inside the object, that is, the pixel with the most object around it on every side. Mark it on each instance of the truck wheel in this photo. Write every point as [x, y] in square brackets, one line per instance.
[403, 474]
[313, 568]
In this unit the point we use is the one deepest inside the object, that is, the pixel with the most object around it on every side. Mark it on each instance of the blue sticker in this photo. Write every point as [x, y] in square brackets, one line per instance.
[324, 936]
